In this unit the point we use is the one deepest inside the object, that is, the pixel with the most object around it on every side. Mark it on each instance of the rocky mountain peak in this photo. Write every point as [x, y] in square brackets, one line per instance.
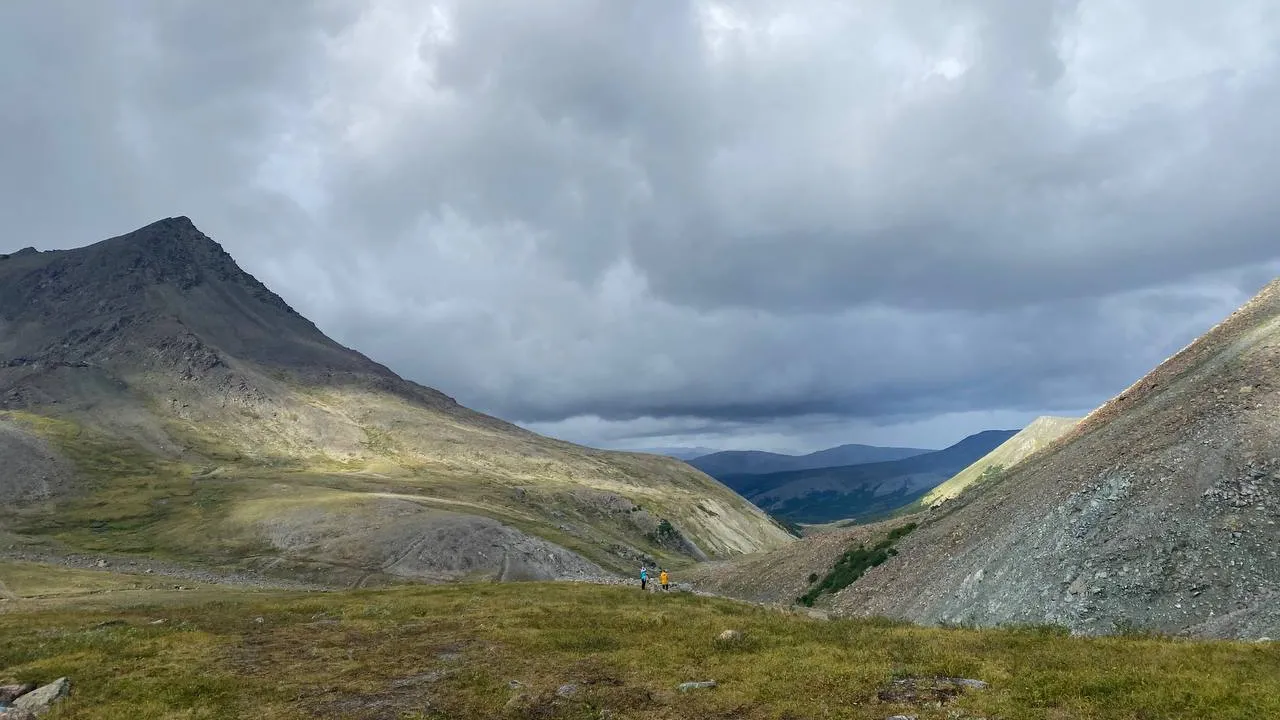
[120, 272]
[164, 298]
[171, 250]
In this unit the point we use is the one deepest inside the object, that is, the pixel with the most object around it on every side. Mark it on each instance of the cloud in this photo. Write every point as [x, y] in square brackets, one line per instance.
[614, 219]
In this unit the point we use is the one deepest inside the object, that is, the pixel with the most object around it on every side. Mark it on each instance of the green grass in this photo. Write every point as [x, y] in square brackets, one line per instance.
[136, 503]
[853, 563]
[452, 651]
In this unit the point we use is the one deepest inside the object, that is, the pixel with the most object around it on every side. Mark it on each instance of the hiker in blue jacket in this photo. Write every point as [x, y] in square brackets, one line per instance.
[644, 577]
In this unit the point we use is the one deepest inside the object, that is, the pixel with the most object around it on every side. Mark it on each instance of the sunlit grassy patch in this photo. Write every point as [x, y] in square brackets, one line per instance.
[505, 650]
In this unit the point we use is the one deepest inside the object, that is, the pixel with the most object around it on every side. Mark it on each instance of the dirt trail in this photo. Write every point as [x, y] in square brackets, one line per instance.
[123, 564]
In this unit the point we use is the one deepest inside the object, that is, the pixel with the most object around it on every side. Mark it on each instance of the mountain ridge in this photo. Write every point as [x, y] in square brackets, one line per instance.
[244, 420]
[823, 495]
[757, 462]
[1040, 433]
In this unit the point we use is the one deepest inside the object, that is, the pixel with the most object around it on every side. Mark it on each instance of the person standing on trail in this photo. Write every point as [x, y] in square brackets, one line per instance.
[663, 578]
[644, 577]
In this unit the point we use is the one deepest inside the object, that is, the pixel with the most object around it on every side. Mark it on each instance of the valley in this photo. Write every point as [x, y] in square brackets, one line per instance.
[860, 491]
[392, 360]
[200, 482]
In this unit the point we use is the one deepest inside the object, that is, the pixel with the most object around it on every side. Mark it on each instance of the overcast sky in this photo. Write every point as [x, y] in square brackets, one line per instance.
[776, 224]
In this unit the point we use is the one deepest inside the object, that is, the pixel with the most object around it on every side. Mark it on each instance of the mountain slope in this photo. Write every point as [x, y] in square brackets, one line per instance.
[204, 417]
[1041, 432]
[1161, 509]
[861, 491]
[753, 462]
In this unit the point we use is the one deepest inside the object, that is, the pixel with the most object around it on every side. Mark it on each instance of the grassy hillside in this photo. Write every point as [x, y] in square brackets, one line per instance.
[576, 651]
[173, 406]
[238, 496]
[1039, 434]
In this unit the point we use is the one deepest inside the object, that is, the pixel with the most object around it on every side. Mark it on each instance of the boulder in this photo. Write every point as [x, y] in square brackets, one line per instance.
[38, 701]
[686, 687]
[730, 636]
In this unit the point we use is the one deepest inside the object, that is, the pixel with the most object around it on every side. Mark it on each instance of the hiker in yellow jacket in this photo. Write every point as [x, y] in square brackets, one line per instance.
[663, 580]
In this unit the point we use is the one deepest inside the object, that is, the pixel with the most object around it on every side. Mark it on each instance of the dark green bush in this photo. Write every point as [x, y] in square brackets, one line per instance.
[853, 563]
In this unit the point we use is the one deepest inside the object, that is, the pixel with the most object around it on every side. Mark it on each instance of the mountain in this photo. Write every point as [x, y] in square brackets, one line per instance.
[679, 453]
[156, 399]
[860, 491]
[1041, 432]
[1160, 510]
[756, 462]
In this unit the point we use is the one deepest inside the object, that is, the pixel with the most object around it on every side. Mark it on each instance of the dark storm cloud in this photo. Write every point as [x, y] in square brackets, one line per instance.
[637, 219]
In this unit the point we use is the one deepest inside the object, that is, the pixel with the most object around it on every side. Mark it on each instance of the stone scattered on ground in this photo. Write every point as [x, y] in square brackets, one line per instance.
[940, 690]
[686, 687]
[730, 636]
[38, 701]
[426, 678]
[902, 717]
[567, 690]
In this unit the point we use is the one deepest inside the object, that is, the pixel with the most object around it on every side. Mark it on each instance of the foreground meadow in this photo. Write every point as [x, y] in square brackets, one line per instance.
[136, 647]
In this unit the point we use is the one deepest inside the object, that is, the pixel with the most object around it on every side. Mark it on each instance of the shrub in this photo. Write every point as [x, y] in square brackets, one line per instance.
[667, 536]
[853, 564]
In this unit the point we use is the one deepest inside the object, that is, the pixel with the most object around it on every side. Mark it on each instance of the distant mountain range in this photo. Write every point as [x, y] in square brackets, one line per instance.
[756, 462]
[677, 452]
[826, 494]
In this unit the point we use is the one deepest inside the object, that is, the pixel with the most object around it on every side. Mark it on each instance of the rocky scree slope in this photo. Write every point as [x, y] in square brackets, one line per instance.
[157, 398]
[1159, 511]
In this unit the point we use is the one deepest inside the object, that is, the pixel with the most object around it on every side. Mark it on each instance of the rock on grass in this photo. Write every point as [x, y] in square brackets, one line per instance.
[686, 687]
[38, 702]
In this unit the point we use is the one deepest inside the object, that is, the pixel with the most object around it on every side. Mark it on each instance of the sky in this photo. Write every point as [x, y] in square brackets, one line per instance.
[636, 223]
